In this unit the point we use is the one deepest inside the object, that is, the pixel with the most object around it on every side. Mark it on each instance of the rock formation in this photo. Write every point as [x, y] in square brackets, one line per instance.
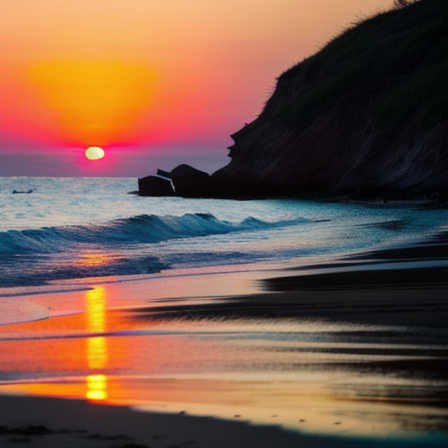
[365, 117]
[154, 186]
[183, 180]
[187, 181]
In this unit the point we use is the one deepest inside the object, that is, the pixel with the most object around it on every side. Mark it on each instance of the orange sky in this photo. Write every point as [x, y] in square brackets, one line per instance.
[156, 78]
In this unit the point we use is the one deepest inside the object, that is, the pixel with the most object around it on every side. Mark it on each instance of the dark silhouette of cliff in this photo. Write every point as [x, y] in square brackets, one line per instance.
[367, 116]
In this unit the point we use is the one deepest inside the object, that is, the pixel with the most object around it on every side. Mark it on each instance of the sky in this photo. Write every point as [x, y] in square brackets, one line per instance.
[155, 83]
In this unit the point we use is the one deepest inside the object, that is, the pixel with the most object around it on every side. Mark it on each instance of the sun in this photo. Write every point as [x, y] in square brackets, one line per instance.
[94, 153]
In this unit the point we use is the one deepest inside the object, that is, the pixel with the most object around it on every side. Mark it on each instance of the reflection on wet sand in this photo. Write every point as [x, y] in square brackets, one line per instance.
[96, 351]
[234, 361]
[96, 387]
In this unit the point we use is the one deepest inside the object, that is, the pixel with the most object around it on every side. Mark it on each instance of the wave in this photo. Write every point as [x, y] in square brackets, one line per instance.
[141, 229]
[119, 247]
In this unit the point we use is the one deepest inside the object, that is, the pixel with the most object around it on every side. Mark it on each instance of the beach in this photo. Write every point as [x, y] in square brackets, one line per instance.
[379, 375]
[168, 322]
[158, 293]
[45, 422]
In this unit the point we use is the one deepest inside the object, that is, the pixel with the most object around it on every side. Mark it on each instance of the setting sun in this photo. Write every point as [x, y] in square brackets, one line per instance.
[94, 153]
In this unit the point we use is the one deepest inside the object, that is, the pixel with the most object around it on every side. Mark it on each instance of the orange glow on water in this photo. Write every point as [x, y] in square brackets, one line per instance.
[93, 259]
[96, 310]
[96, 387]
[172, 370]
[96, 349]
[97, 355]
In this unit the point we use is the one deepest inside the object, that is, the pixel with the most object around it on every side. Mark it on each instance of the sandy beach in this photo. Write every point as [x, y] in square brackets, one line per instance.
[374, 374]
[45, 422]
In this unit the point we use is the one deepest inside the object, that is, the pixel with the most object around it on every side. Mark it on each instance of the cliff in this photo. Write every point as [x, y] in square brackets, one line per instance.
[367, 116]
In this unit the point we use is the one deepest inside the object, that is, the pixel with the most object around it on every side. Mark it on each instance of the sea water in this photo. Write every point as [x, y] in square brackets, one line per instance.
[70, 228]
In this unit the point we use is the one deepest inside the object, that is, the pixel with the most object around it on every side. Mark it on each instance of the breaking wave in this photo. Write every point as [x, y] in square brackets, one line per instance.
[141, 229]
[119, 247]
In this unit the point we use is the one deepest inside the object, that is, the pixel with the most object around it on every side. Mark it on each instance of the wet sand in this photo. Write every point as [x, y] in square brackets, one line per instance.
[46, 422]
[379, 379]
[363, 298]
[55, 423]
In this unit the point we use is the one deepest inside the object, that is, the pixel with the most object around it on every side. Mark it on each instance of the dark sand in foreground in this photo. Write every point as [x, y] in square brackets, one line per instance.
[56, 423]
[47, 422]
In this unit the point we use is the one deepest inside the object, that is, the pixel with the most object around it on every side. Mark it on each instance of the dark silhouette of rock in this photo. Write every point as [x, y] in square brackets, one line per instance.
[188, 181]
[154, 186]
[365, 117]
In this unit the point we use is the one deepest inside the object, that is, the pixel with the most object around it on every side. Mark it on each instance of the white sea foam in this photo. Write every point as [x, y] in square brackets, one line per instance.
[13, 311]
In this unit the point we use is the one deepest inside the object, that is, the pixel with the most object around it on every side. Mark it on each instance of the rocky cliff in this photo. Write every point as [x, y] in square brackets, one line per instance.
[367, 116]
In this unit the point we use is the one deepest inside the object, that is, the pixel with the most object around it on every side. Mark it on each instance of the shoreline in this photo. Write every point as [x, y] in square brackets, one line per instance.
[401, 286]
[51, 423]
[412, 300]
[383, 306]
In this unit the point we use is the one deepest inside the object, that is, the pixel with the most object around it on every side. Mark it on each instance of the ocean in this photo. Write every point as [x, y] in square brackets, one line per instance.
[65, 228]
[85, 261]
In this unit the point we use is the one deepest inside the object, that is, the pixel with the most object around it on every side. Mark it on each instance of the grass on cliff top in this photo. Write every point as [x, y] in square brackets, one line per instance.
[400, 53]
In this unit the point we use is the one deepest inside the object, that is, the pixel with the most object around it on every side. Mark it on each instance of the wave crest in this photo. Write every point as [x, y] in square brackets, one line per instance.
[136, 229]
[140, 229]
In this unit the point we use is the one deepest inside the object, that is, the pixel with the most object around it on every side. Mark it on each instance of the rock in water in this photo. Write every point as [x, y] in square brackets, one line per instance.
[188, 181]
[154, 186]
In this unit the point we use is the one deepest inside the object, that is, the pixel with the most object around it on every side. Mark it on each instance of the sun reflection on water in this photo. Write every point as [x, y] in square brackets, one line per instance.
[96, 348]
[96, 387]
[92, 259]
